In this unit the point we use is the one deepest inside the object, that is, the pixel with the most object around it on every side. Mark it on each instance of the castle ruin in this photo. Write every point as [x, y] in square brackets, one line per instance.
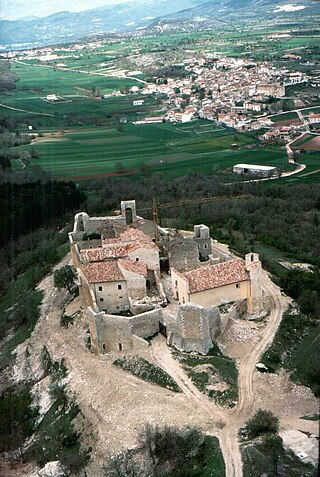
[124, 272]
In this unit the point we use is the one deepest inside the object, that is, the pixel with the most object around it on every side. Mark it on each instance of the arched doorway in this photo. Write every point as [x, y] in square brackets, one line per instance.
[129, 216]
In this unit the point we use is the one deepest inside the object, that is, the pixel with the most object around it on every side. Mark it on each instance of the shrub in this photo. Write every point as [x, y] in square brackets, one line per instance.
[263, 422]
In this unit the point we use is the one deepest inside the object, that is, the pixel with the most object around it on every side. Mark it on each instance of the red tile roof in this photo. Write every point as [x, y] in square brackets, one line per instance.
[134, 235]
[135, 267]
[100, 272]
[131, 237]
[100, 254]
[215, 276]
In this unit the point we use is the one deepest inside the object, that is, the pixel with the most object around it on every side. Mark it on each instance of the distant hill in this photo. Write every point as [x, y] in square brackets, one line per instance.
[248, 9]
[65, 26]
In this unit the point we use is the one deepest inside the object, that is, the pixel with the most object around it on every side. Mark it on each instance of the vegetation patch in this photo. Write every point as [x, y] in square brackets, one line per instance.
[18, 417]
[259, 459]
[312, 417]
[55, 436]
[263, 452]
[169, 452]
[143, 369]
[296, 348]
[213, 371]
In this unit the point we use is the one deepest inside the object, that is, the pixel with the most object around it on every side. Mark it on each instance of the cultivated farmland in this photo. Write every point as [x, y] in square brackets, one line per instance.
[170, 149]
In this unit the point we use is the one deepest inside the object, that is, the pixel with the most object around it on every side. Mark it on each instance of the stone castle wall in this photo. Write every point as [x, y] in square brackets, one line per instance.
[194, 328]
[121, 333]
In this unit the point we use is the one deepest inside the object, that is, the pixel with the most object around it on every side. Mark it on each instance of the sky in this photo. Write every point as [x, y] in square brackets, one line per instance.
[15, 9]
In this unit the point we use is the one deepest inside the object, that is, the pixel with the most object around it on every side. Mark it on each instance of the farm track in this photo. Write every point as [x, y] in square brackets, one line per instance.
[25, 111]
[228, 422]
[104, 391]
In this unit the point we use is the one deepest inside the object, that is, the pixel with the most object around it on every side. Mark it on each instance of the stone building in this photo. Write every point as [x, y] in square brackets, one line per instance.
[221, 283]
[203, 240]
[118, 268]
[121, 283]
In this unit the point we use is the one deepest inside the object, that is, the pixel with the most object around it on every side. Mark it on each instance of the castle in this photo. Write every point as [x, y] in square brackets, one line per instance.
[129, 269]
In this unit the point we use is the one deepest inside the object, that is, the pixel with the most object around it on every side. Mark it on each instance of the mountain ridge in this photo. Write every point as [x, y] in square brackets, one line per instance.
[67, 26]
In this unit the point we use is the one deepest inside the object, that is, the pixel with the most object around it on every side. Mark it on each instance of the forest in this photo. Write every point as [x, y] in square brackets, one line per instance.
[285, 217]
[28, 206]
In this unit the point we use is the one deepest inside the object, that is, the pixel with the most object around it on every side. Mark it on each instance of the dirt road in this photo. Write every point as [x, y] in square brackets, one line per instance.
[117, 404]
[228, 421]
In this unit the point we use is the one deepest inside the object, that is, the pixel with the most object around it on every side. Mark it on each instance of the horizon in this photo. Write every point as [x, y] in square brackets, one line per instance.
[20, 9]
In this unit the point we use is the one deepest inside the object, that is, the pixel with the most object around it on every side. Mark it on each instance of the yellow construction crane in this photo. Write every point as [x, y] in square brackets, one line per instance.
[199, 200]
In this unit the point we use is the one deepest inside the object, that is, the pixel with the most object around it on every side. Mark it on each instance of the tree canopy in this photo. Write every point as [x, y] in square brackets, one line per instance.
[64, 277]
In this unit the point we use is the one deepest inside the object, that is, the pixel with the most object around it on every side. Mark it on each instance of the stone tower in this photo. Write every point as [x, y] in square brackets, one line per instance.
[129, 211]
[203, 240]
[194, 328]
[80, 222]
[253, 267]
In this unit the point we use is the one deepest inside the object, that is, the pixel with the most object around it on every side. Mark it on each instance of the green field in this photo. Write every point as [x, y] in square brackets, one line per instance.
[45, 80]
[312, 173]
[94, 143]
[166, 148]
[284, 117]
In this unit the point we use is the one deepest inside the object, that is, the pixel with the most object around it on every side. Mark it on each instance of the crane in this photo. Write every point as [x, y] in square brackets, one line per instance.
[199, 200]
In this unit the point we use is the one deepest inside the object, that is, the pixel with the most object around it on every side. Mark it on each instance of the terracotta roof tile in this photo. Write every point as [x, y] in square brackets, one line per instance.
[217, 275]
[131, 237]
[100, 254]
[134, 235]
[135, 267]
[101, 272]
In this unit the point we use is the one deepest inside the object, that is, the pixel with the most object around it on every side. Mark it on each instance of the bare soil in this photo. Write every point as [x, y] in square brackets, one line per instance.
[117, 404]
[100, 176]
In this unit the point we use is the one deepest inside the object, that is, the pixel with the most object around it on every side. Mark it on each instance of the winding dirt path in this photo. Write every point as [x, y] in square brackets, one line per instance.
[162, 357]
[228, 421]
[117, 403]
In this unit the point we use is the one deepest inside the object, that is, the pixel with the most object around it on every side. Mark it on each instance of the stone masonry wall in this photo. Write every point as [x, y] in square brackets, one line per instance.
[221, 295]
[184, 255]
[194, 328]
[110, 298]
[120, 333]
[145, 255]
[136, 284]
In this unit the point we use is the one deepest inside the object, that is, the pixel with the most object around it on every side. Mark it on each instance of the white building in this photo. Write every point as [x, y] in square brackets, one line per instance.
[52, 97]
[253, 169]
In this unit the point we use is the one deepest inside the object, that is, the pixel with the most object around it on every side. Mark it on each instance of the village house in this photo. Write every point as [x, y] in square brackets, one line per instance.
[314, 118]
[127, 273]
[220, 283]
